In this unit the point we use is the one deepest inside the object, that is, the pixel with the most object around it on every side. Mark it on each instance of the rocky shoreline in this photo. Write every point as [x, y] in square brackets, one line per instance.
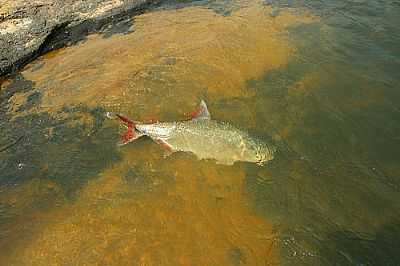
[29, 29]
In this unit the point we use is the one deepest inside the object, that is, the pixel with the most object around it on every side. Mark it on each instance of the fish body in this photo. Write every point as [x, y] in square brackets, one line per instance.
[207, 139]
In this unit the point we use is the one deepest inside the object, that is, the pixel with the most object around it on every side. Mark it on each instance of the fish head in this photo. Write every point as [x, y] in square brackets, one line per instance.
[261, 153]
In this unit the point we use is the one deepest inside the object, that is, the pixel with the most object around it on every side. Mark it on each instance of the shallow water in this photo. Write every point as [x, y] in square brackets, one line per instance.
[319, 79]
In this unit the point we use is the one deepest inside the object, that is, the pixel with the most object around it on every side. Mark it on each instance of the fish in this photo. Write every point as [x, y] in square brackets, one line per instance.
[205, 137]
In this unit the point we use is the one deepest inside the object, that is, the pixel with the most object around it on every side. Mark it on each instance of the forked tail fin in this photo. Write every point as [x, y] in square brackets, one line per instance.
[131, 133]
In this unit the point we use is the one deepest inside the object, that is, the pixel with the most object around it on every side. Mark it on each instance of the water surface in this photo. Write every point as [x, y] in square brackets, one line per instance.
[319, 79]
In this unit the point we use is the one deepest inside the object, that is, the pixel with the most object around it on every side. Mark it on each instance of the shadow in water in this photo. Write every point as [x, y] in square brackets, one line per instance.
[18, 84]
[68, 148]
[45, 159]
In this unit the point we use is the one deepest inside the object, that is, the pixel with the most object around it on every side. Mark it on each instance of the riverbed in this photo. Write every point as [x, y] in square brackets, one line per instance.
[319, 80]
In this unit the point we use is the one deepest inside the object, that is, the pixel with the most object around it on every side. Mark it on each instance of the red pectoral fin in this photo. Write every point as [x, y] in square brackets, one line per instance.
[164, 144]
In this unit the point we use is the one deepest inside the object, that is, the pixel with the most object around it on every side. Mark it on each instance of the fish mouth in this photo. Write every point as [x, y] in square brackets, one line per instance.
[264, 162]
[267, 156]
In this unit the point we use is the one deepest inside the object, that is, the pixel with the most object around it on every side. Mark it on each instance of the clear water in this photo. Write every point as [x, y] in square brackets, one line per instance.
[319, 78]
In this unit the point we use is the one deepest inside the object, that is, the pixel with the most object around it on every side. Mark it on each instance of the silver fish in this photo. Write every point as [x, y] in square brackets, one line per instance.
[206, 138]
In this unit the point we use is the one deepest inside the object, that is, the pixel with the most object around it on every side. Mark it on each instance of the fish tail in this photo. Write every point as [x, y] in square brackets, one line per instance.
[126, 120]
[131, 133]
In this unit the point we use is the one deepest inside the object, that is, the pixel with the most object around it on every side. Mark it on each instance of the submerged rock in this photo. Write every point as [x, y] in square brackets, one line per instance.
[30, 28]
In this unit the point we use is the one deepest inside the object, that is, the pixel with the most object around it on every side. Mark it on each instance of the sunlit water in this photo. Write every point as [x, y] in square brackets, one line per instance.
[319, 79]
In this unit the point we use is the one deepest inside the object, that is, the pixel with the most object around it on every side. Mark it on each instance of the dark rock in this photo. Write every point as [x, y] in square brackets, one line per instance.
[29, 28]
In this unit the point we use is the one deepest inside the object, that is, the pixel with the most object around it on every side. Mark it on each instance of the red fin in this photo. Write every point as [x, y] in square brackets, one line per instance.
[125, 120]
[194, 114]
[201, 112]
[130, 134]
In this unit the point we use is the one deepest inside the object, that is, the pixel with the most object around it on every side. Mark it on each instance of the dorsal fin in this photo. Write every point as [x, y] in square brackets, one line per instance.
[202, 113]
